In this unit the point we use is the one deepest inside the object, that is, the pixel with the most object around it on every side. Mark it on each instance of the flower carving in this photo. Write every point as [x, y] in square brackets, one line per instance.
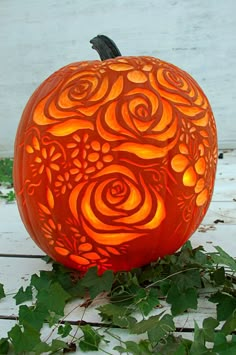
[115, 206]
[193, 168]
[44, 158]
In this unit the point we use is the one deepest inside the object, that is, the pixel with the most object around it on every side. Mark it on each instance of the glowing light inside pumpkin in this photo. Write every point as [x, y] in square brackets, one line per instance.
[118, 158]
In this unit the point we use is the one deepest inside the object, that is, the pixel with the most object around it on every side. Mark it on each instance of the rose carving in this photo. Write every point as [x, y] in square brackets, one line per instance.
[141, 122]
[116, 206]
[72, 103]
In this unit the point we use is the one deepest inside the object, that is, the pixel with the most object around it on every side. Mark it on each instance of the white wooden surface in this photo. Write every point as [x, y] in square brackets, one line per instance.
[19, 255]
[39, 37]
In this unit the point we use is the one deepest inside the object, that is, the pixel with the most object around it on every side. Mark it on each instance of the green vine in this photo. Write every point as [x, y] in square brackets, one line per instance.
[132, 302]
[142, 303]
[6, 180]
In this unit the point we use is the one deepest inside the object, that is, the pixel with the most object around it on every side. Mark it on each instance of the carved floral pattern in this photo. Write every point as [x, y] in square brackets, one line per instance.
[113, 152]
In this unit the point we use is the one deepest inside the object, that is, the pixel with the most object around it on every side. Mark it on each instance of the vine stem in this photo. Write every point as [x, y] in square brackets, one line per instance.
[169, 276]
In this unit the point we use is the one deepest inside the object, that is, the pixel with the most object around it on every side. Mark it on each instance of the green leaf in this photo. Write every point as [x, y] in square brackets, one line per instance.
[187, 245]
[226, 304]
[23, 295]
[173, 345]
[198, 345]
[2, 293]
[42, 348]
[187, 279]
[118, 315]
[97, 284]
[181, 301]
[42, 281]
[47, 259]
[64, 330]
[224, 258]
[162, 329]
[230, 325]
[146, 324]
[33, 316]
[11, 196]
[218, 276]
[224, 347]
[146, 300]
[54, 347]
[24, 339]
[131, 347]
[53, 318]
[54, 298]
[58, 344]
[4, 346]
[209, 325]
[91, 339]
[202, 259]
[6, 166]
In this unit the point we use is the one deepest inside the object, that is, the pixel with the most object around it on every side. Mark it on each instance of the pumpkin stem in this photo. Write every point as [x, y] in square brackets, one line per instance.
[105, 47]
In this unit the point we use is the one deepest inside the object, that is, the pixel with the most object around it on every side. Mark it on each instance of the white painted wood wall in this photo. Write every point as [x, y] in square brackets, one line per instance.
[39, 37]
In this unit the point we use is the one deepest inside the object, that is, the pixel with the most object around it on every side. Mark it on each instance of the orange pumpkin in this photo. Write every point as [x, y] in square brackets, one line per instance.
[115, 161]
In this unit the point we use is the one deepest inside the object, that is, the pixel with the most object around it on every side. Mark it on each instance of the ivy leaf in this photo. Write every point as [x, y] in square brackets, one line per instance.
[2, 293]
[224, 258]
[226, 304]
[91, 339]
[42, 348]
[118, 315]
[146, 324]
[218, 276]
[64, 330]
[97, 284]
[224, 347]
[24, 339]
[6, 167]
[173, 345]
[58, 345]
[47, 259]
[209, 325]
[54, 347]
[198, 345]
[181, 301]
[53, 318]
[54, 298]
[131, 347]
[187, 279]
[42, 281]
[146, 300]
[230, 325]
[162, 329]
[4, 346]
[23, 295]
[33, 316]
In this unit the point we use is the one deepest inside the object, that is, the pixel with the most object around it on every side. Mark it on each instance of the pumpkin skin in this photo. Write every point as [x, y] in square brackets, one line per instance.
[115, 162]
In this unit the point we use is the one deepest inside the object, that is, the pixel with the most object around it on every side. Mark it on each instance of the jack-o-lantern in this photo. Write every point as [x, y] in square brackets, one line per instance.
[115, 161]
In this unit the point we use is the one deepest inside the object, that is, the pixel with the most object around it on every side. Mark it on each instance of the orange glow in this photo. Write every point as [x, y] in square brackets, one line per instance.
[115, 162]
[144, 151]
[70, 126]
[202, 198]
[200, 166]
[137, 76]
[190, 177]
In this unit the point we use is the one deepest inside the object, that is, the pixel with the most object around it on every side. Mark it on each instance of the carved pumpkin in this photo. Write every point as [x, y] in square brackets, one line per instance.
[115, 161]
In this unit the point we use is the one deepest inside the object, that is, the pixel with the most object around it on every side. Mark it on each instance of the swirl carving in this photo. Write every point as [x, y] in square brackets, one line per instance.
[117, 156]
